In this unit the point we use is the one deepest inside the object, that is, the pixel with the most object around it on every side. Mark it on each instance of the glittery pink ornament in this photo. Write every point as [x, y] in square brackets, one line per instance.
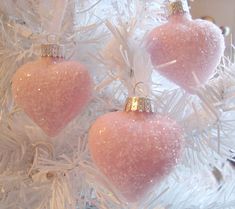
[52, 92]
[196, 46]
[135, 150]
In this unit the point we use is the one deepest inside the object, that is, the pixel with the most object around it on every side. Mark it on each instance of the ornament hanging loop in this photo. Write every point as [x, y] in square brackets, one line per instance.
[52, 39]
[137, 86]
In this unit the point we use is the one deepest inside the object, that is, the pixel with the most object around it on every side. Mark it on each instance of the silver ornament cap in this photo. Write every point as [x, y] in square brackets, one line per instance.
[52, 50]
[139, 104]
[177, 7]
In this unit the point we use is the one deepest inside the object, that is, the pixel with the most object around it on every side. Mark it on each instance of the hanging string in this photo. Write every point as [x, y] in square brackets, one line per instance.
[52, 15]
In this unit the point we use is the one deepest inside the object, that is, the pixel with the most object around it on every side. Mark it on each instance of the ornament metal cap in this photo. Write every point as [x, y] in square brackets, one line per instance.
[52, 50]
[177, 7]
[138, 104]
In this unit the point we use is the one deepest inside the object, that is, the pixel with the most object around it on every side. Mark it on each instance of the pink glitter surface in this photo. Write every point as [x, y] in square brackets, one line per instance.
[135, 151]
[196, 45]
[52, 92]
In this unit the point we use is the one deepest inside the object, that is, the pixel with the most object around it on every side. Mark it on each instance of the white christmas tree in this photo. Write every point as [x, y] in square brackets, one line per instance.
[108, 37]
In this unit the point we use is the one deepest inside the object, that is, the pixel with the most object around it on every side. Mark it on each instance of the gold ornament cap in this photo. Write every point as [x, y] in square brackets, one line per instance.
[52, 50]
[177, 7]
[139, 104]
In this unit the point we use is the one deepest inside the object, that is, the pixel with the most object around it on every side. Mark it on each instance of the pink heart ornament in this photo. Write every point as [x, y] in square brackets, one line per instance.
[196, 47]
[52, 92]
[135, 151]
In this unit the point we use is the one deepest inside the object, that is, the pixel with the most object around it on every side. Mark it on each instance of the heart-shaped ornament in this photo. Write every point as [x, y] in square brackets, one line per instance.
[193, 48]
[52, 92]
[135, 150]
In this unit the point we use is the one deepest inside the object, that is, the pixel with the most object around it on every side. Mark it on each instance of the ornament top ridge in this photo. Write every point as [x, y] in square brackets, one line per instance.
[52, 50]
[139, 104]
[177, 7]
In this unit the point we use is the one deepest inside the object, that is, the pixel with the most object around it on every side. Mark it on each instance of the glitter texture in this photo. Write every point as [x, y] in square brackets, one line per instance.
[52, 92]
[135, 150]
[196, 46]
